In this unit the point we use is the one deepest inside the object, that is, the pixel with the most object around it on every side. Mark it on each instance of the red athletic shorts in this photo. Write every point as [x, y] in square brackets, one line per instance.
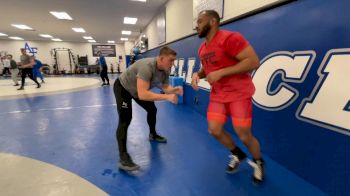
[240, 112]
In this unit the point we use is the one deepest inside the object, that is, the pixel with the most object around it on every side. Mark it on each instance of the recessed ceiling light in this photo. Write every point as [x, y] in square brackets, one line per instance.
[87, 37]
[61, 15]
[22, 26]
[3, 34]
[78, 30]
[110, 41]
[128, 20]
[124, 39]
[91, 41]
[16, 38]
[56, 39]
[139, 0]
[45, 35]
[126, 32]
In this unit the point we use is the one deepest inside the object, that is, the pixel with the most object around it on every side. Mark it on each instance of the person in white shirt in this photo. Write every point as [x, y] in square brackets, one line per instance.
[7, 65]
[14, 70]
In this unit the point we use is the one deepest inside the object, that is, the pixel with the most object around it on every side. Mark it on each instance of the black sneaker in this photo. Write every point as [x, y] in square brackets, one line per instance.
[21, 88]
[233, 165]
[259, 172]
[38, 86]
[126, 163]
[103, 84]
[157, 138]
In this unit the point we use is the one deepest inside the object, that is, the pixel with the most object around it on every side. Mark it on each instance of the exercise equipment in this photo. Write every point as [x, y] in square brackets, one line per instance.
[59, 68]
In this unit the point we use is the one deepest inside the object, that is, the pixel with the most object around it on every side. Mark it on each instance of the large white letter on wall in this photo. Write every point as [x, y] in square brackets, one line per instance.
[292, 67]
[190, 66]
[181, 71]
[329, 104]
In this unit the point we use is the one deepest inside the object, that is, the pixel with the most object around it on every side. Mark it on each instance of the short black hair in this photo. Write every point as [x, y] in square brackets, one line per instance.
[167, 51]
[211, 14]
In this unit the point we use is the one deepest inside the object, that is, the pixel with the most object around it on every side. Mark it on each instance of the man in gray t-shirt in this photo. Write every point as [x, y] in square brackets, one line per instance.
[136, 83]
[27, 64]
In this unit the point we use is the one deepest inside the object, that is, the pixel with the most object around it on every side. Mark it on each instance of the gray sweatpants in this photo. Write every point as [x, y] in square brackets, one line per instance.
[14, 74]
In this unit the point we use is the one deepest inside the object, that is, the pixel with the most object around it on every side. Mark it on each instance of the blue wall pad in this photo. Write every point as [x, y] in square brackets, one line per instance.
[177, 81]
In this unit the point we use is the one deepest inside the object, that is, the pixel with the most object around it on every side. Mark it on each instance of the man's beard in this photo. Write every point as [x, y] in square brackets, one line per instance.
[205, 31]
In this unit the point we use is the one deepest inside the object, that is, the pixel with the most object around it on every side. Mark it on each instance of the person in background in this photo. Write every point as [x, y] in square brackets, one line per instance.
[36, 70]
[227, 60]
[14, 70]
[26, 65]
[103, 64]
[1, 62]
[6, 63]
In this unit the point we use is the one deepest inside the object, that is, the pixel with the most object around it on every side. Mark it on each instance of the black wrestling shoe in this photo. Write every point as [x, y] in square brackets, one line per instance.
[157, 138]
[126, 163]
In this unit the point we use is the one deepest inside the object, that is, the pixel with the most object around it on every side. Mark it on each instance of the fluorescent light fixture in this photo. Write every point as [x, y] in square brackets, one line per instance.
[126, 32]
[110, 41]
[61, 15]
[3, 34]
[91, 41]
[124, 39]
[78, 30]
[16, 38]
[56, 39]
[128, 20]
[21, 26]
[87, 37]
[45, 35]
[139, 0]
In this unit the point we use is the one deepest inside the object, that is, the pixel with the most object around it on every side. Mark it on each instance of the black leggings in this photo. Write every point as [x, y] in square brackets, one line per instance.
[124, 108]
[6, 70]
[104, 74]
[29, 72]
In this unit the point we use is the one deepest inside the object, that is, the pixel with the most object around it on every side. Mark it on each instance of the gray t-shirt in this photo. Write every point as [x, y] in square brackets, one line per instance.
[145, 69]
[25, 59]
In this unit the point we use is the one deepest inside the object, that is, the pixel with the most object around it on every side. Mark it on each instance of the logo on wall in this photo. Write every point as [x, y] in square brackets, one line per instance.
[327, 106]
[31, 50]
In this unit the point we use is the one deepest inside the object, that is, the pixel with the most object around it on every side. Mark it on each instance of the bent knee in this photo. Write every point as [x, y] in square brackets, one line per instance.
[246, 138]
[215, 131]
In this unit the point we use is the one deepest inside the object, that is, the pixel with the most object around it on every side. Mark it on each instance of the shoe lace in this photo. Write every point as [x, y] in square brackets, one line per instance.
[234, 161]
[257, 169]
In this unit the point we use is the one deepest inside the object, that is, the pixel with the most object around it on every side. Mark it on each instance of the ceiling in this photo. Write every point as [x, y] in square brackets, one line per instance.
[103, 19]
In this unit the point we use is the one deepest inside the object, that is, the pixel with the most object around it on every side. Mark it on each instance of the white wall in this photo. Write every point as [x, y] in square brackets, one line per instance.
[44, 48]
[179, 15]
[178, 19]
[128, 47]
[234, 8]
[151, 33]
